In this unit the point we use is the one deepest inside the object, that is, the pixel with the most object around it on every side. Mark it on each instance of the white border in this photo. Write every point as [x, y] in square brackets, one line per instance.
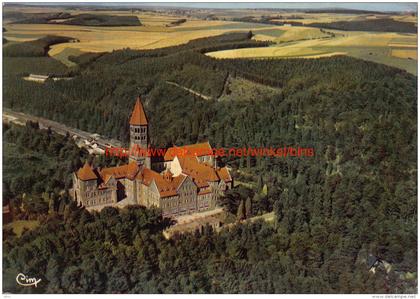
[208, 295]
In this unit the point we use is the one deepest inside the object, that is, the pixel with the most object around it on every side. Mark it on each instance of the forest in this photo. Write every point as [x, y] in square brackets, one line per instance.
[102, 20]
[379, 25]
[34, 18]
[84, 19]
[357, 196]
[375, 25]
[35, 48]
[27, 171]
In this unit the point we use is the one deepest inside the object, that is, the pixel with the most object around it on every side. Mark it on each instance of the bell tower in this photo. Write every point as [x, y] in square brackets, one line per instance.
[139, 136]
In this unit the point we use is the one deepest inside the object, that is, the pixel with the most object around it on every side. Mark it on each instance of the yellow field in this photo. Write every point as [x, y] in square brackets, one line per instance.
[291, 42]
[153, 34]
[401, 45]
[102, 39]
[406, 18]
[287, 34]
[307, 17]
[378, 47]
[270, 52]
[324, 18]
[412, 54]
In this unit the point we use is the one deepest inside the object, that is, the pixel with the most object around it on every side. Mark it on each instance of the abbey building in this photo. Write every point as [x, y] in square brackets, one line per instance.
[177, 185]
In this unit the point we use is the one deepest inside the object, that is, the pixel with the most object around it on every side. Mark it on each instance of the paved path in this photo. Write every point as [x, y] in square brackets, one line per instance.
[195, 216]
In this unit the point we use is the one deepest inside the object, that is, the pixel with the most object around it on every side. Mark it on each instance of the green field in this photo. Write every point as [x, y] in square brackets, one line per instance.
[64, 55]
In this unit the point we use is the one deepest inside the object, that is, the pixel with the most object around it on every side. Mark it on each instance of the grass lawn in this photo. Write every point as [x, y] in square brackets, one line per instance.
[268, 217]
[248, 185]
[239, 89]
[19, 225]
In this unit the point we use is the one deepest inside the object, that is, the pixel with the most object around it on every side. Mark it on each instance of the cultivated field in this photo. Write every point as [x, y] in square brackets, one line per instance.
[280, 34]
[104, 39]
[395, 49]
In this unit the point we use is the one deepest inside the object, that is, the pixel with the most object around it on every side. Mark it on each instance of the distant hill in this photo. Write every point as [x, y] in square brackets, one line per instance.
[103, 20]
[347, 11]
[379, 25]
[81, 19]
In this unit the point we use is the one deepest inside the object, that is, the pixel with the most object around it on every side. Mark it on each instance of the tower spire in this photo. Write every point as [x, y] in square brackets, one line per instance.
[139, 135]
[138, 117]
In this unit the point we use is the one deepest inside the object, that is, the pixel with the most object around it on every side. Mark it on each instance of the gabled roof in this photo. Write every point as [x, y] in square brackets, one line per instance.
[86, 173]
[166, 185]
[224, 174]
[147, 176]
[201, 173]
[125, 171]
[138, 117]
[170, 188]
[198, 149]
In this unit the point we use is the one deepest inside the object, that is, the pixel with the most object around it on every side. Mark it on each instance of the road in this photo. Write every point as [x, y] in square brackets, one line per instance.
[21, 119]
[196, 93]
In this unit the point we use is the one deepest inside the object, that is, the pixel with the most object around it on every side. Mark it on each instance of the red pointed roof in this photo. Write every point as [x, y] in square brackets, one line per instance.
[138, 117]
[86, 173]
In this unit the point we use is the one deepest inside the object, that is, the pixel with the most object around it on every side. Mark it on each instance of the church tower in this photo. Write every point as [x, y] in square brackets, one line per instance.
[139, 136]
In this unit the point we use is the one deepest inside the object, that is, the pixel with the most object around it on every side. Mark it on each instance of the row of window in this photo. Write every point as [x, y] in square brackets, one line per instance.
[101, 200]
[142, 138]
[95, 193]
[138, 130]
[188, 194]
[204, 202]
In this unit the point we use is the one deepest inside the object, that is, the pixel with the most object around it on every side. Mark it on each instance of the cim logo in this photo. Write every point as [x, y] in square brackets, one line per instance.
[25, 281]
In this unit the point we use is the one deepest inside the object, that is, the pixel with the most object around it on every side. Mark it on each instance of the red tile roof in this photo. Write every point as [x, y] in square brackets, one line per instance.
[138, 117]
[124, 171]
[167, 185]
[86, 173]
[147, 176]
[201, 173]
[198, 149]
[170, 187]
[224, 174]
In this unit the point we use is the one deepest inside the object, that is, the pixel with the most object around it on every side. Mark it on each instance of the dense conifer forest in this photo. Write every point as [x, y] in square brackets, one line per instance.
[84, 19]
[380, 25]
[385, 24]
[35, 48]
[357, 196]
